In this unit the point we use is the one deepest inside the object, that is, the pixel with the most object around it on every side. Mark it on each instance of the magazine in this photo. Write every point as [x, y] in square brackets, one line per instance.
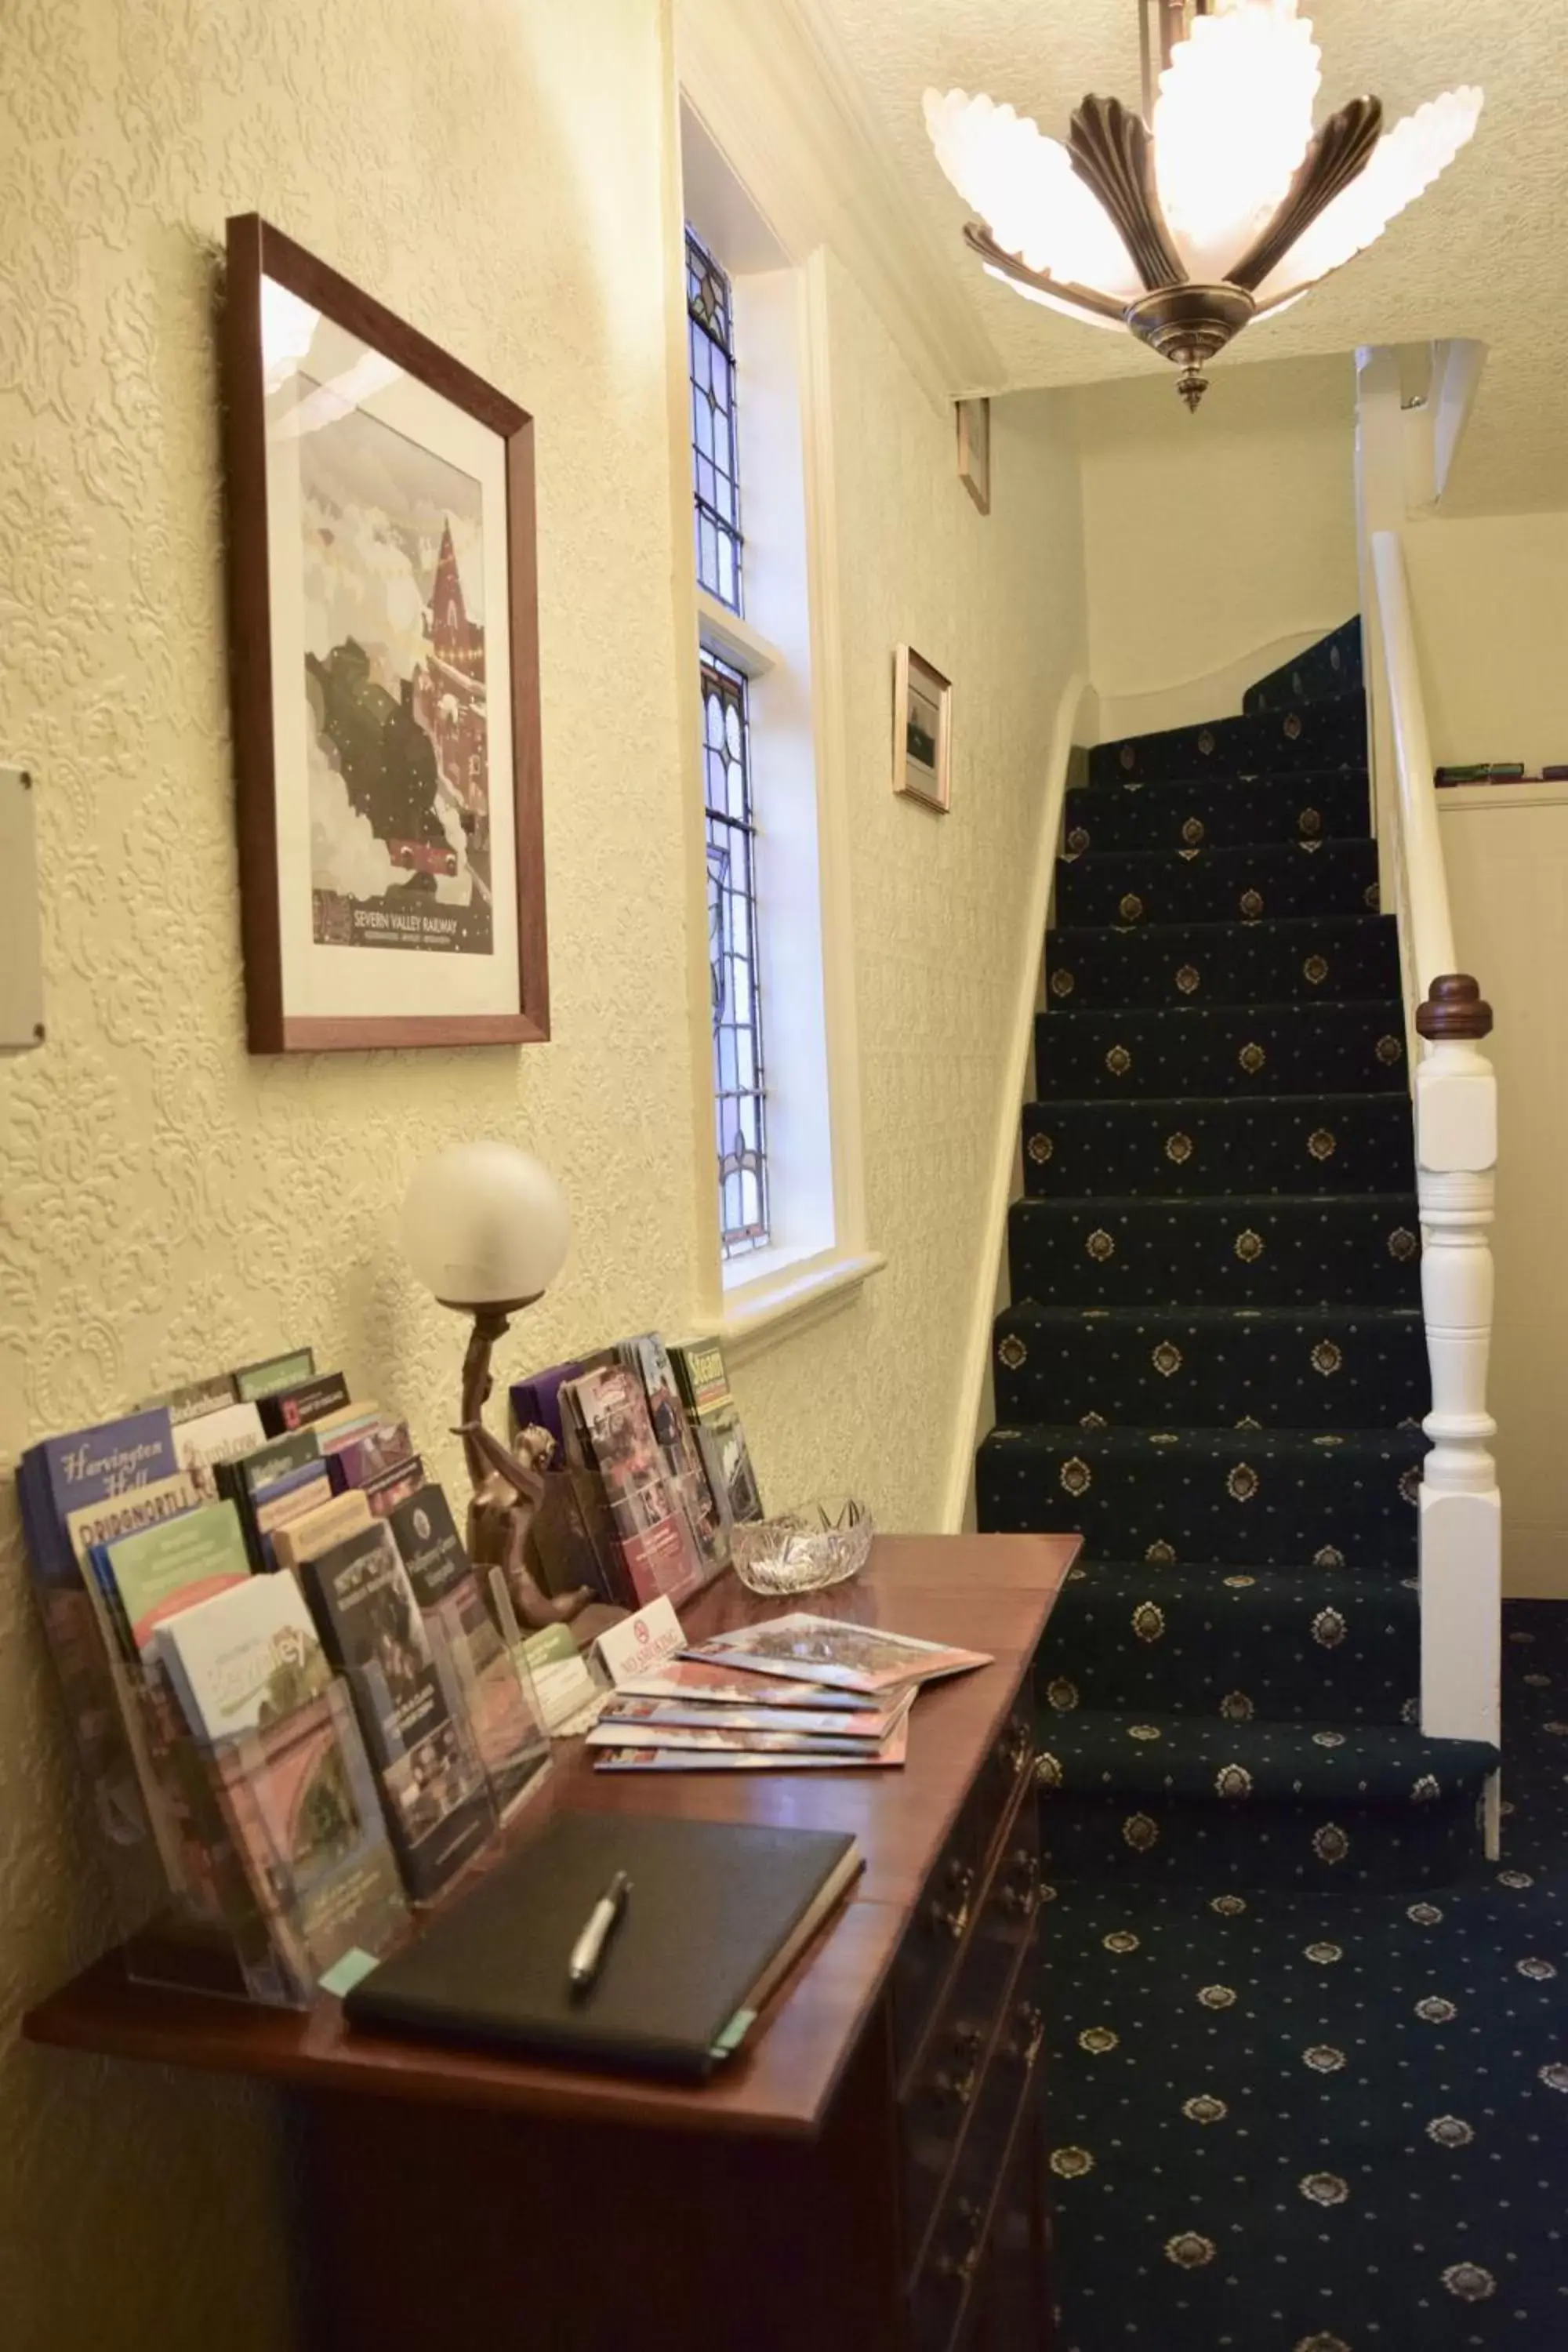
[828, 1722]
[830, 1650]
[688, 1678]
[891, 1750]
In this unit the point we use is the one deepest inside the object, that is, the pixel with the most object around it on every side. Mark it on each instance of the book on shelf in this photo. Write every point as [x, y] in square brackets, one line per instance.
[308, 1400]
[60, 1474]
[384, 1494]
[294, 1497]
[705, 1390]
[536, 1403]
[204, 1442]
[318, 1531]
[362, 1455]
[708, 1510]
[254, 1381]
[96, 1523]
[154, 1571]
[349, 1421]
[198, 1400]
[300, 1805]
[508, 1733]
[244, 1659]
[779, 1755]
[806, 1648]
[652, 1548]
[438, 1805]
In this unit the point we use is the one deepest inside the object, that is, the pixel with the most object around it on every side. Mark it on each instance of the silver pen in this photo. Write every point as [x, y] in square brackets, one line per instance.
[588, 1950]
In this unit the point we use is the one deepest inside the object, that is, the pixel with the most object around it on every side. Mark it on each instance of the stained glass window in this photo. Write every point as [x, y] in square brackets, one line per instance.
[710, 312]
[739, 1089]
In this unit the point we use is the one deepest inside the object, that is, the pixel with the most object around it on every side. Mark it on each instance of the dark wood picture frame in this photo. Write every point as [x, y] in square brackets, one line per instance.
[257, 251]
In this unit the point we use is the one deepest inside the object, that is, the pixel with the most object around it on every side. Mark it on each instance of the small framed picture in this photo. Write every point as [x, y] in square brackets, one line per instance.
[385, 672]
[922, 708]
[974, 450]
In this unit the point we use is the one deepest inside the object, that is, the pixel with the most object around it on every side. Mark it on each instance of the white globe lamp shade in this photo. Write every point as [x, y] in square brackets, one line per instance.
[484, 1225]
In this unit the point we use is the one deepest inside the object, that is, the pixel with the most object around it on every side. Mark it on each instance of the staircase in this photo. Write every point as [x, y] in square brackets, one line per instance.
[1215, 1363]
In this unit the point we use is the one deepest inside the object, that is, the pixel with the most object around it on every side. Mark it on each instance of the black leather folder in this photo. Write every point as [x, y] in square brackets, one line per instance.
[717, 1914]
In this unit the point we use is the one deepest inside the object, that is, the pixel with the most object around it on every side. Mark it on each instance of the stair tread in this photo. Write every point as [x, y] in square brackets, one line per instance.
[1253, 780]
[1212, 1202]
[1384, 1444]
[1038, 1312]
[1345, 1098]
[1305, 926]
[1094, 1753]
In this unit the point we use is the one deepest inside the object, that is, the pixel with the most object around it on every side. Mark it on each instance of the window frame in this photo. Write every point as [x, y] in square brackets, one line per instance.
[791, 655]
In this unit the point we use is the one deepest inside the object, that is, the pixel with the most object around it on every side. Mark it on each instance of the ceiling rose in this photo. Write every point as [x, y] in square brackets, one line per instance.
[1218, 204]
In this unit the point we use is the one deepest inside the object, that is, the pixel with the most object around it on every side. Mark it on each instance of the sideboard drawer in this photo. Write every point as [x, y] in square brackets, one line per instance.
[958, 2056]
[945, 1912]
[963, 2240]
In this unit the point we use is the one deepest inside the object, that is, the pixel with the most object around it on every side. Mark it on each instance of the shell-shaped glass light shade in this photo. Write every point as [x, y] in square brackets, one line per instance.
[1231, 125]
[484, 1225]
[1025, 189]
[1404, 165]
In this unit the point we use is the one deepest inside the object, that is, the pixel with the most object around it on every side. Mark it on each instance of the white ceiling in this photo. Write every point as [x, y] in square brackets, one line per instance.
[1483, 254]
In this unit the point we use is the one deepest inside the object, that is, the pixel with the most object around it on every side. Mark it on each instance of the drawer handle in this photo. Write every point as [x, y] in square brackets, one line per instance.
[964, 2266]
[969, 2043]
[953, 1915]
[1022, 1894]
[1028, 2033]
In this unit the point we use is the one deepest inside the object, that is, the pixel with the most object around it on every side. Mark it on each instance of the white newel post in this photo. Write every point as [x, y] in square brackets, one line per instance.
[1461, 1511]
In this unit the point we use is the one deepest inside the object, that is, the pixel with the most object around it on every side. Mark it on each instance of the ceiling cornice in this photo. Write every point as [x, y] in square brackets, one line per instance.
[772, 86]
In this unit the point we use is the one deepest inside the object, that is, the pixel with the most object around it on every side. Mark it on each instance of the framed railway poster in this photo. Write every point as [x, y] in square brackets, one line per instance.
[384, 651]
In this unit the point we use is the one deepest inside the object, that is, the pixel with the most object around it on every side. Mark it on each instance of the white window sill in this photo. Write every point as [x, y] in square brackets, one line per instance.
[785, 1302]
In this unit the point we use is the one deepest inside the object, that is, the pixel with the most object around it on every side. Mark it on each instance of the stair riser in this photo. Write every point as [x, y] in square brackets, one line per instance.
[1329, 735]
[1217, 815]
[1241, 1846]
[1321, 1371]
[1220, 1253]
[1364, 1511]
[1318, 1653]
[1250, 1146]
[1300, 1049]
[1225, 963]
[1219, 886]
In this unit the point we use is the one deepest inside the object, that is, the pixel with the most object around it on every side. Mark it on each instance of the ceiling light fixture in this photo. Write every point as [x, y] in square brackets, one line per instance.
[1216, 206]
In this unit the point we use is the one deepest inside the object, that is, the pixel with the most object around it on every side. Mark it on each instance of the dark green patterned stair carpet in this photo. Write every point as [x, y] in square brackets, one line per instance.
[1332, 2120]
[1214, 1366]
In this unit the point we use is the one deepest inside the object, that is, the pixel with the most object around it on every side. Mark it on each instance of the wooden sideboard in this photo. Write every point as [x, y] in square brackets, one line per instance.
[865, 2177]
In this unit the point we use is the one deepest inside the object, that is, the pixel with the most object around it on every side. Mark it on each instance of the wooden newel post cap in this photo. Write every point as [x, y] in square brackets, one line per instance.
[1455, 1009]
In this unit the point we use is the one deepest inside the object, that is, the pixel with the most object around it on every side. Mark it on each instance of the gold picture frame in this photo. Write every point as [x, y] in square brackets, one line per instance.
[922, 730]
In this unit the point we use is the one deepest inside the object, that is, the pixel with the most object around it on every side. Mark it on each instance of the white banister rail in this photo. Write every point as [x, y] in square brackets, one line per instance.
[1415, 805]
[1455, 1164]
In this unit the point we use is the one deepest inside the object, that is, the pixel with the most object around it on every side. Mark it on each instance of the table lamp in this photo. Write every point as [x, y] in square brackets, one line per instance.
[486, 1229]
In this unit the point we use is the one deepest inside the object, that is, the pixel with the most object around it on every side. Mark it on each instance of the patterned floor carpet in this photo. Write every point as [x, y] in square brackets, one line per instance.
[1288, 2122]
[1291, 2020]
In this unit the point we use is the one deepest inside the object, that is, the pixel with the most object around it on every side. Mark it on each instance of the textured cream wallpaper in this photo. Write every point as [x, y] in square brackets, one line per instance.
[1212, 536]
[493, 169]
